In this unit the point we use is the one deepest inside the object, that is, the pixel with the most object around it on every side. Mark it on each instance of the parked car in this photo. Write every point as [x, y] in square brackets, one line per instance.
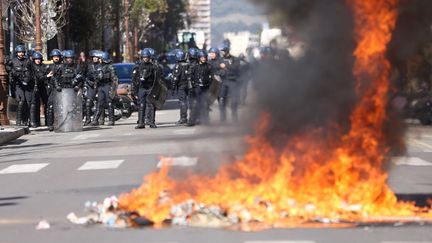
[124, 72]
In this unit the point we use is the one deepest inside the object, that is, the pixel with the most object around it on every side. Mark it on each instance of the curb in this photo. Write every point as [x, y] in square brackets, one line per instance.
[8, 134]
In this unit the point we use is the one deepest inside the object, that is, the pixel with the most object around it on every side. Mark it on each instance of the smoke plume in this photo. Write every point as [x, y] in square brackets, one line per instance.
[318, 88]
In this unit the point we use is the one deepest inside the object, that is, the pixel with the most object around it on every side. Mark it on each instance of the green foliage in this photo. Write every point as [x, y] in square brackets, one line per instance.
[141, 8]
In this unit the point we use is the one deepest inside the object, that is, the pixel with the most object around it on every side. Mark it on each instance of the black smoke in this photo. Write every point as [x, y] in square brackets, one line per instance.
[318, 89]
[315, 90]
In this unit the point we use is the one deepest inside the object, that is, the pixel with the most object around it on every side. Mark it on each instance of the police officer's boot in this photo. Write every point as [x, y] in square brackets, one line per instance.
[183, 114]
[102, 116]
[111, 115]
[50, 118]
[96, 118]
[141, 117]
[88, 114]
[152, 116]
[193, 115]
[222, 109]
[235, 115]
[19, 115]
[33, 116]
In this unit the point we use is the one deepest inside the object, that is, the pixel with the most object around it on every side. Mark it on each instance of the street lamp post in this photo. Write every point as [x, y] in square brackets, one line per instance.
[38, 25]
[127, 44]
[3, 76]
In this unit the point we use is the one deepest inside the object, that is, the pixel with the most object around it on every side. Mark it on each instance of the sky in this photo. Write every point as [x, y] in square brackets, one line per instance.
[234, 16]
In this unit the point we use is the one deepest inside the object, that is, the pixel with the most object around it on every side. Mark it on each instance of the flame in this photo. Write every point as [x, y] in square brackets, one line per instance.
[317, 174]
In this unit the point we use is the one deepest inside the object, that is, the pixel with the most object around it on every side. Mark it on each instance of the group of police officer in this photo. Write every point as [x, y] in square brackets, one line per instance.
[31, 82]
[196, 77]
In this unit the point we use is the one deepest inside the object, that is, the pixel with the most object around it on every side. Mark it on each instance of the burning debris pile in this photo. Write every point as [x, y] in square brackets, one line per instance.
[328, 174]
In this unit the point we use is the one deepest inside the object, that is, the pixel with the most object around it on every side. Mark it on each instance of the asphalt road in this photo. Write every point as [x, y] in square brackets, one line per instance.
[48, 175]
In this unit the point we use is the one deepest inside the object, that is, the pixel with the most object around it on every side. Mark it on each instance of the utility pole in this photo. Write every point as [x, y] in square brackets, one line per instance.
[127, 44]
[135, 45]
[38, 25]
[3, 76]
[117, 32]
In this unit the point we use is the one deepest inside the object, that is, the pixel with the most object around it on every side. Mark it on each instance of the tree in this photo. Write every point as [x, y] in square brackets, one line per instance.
[139, 12]
[53, 18]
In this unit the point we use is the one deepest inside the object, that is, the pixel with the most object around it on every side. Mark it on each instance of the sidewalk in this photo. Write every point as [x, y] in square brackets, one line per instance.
[8, 134]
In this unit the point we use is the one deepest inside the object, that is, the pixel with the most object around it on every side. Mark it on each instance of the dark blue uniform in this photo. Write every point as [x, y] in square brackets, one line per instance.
[20, 72]
[144, 76]
[181, 77]
[42, 91]
[93, 74]
[201, 77]
[230, 86]
[105, 87]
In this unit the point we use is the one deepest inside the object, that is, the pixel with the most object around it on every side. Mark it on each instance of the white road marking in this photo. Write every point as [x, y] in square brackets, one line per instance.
[161, 113]
[179, 161]
[299, 241]
[406, 241]
[413, 161]
[425, 147]
[101, 165]
[86, 136]
[184, 131]
[23, 168]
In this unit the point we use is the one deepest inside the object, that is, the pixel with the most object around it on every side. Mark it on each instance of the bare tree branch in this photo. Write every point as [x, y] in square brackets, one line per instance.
[53, 18]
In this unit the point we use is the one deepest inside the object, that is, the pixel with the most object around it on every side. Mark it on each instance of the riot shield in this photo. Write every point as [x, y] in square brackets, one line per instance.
[158, 94]
[68, 111]
[214, 89]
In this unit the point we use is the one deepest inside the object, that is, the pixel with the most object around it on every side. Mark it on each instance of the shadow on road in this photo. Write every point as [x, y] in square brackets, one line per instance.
[12, 200]
[421, 200]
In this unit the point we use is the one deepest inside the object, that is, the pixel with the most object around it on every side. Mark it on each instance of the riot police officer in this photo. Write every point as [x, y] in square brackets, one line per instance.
[106, 87]
[180, 83]
[151, 117]
[56, 57]
[229, 72]
[201, 77]
[69, 75]
[144, 76]
[214, 59]
[92, 76]
[40, 76]
[245, 77]
[20, 77]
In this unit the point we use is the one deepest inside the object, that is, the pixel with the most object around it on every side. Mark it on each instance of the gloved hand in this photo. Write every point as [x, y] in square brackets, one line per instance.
[76, 88]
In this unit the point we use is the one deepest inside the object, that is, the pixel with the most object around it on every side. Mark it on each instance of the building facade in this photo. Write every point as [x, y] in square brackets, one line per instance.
[201, 18]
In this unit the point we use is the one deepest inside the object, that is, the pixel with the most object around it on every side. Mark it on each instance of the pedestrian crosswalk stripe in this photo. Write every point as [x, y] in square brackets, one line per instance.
[23, 168]
[413, 161]
[184, 131]
[425, 147]
[178, 161]
[85, 136]
[101, 165]
[406, 241]
[295, 241]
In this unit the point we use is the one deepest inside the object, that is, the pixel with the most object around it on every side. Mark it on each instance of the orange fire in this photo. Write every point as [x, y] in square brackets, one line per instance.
[316, 175]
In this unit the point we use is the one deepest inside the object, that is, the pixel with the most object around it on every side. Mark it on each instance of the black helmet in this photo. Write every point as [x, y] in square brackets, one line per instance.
[55, 52]
[37, 55]
[193, 52]
[146, 53]
[20, 48]
[202, 53]
[180, 55]
[106, 57]
[69, 53]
